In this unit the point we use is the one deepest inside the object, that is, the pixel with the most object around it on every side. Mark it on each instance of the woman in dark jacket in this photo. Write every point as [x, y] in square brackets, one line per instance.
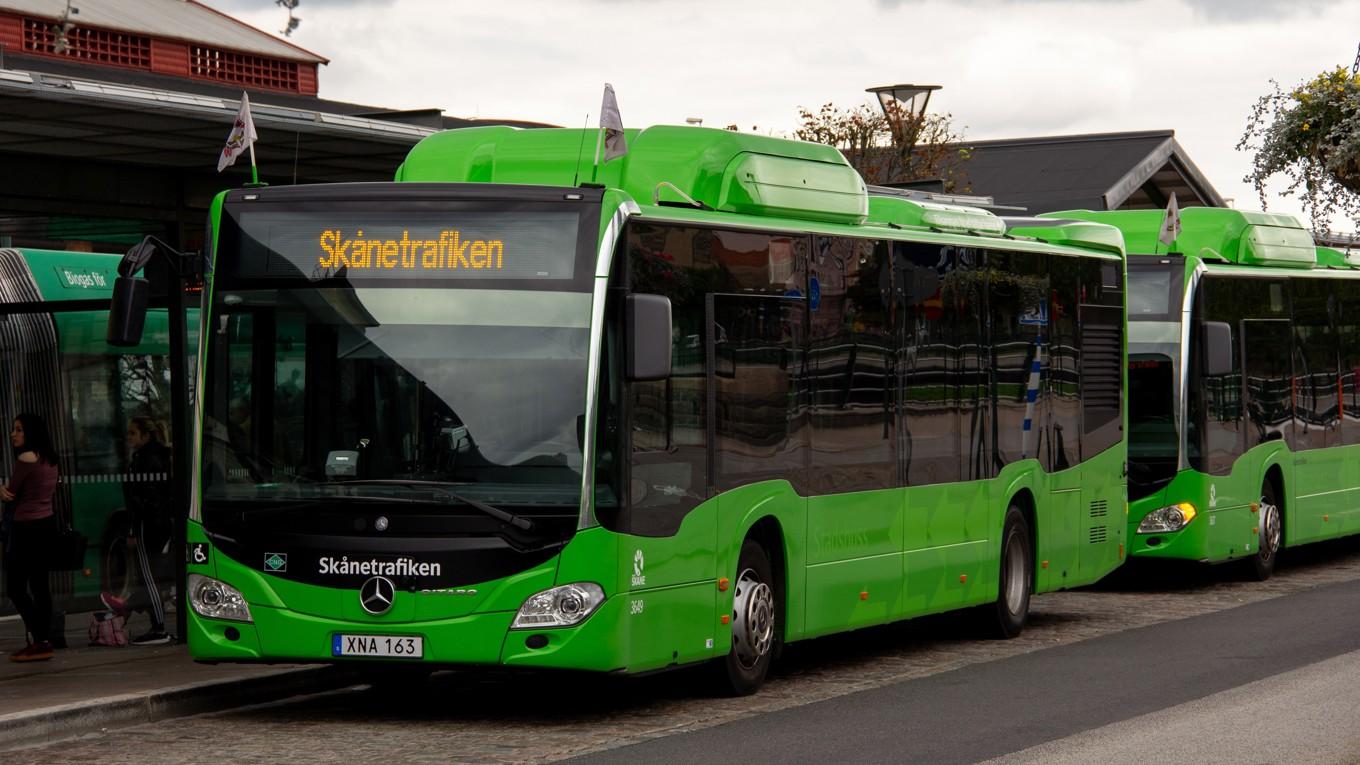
[31, 531]
[147, 494]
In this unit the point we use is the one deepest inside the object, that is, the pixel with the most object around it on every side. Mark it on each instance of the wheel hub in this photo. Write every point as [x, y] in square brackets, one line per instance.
[1270, 530]
[752, 618]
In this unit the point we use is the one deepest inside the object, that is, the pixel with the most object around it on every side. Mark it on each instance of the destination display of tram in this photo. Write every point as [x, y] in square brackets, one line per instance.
[413, 246]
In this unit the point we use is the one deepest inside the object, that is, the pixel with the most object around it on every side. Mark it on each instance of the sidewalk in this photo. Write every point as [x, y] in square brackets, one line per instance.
[84, 688]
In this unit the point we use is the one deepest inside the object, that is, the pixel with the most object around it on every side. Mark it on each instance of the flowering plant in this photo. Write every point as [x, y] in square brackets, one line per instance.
[1311, 136]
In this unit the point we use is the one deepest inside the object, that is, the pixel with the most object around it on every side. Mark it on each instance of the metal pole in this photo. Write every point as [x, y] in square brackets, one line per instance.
[179, 424]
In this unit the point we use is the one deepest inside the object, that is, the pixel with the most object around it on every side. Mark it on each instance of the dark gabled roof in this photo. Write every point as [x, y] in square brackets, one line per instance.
[1101, 171]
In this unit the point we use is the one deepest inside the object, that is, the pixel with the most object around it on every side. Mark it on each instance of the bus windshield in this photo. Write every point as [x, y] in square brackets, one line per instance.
[1155, 288]
[1153, 439]
[372, 376]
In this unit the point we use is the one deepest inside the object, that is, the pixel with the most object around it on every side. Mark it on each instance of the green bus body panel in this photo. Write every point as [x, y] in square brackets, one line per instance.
[1237, 236]
[72, 275]
[1097, 236]
[851, 561]
[726, 170]
[1321, 501]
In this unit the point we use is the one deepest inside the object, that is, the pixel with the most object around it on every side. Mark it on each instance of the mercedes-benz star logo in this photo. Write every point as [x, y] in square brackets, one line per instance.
[376, 595]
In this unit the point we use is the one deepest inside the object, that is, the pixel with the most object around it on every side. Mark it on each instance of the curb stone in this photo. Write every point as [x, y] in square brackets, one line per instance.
[63, 721]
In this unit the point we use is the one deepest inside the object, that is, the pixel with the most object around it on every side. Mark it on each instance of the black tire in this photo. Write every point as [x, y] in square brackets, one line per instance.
[1270, 534]
[1006, 617]
[755, 624]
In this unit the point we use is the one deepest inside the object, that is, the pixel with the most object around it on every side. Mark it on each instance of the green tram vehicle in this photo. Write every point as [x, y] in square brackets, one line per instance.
[1244, 350]
[54, 362]
[722, 400]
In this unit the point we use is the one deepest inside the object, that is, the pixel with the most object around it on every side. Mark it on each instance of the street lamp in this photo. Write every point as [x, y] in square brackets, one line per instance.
[904, 106]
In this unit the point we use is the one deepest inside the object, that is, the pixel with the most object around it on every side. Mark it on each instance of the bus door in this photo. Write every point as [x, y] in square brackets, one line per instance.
[1271, 396]
[1322, 477]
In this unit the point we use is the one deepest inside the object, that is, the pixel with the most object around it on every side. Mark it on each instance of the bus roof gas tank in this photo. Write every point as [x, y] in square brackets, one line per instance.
[1277, 246]
[1245, 237]
[719, 169]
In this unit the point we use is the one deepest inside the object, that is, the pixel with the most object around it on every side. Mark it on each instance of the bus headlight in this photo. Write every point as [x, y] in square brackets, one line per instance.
[559, 607]
[1167, 519]
[217, 600]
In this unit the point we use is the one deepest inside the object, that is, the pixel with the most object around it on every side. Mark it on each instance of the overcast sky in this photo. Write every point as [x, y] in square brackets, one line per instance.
[1010, 68]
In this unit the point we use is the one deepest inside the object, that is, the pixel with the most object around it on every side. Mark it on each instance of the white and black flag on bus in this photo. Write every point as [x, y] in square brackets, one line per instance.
[611, 128]
[1171, 222]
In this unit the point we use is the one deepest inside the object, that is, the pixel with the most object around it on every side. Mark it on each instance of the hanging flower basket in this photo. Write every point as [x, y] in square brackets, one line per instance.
[1311, 136]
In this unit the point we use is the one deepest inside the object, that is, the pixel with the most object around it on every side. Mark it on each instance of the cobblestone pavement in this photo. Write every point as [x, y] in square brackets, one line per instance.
[512, 718]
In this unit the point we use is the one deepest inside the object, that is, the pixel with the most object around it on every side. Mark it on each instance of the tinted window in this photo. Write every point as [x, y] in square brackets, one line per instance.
[1315, 388]
[1155, 288]
[1062, 378]
[1348, 334]
[1102, 366]
[758, 330]
[1017, 300]
[932, 295]
[850, 361]
[1266, 338]
[669, 418]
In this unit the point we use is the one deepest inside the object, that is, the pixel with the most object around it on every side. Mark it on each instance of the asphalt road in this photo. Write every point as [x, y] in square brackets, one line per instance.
[1259, 669]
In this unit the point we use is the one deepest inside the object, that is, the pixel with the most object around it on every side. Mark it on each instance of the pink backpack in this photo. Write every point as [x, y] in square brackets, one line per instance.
[106, 628]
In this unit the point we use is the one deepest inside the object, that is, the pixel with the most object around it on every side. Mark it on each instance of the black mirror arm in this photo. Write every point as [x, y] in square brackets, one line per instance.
[140, 255]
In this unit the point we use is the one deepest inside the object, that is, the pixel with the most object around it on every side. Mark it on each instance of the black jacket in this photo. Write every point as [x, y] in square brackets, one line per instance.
[147, 490]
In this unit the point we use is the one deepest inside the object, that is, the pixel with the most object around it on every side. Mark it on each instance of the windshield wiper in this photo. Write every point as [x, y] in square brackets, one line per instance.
[504, 516]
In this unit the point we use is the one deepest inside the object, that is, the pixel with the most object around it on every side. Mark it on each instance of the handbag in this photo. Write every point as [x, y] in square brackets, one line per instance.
[68, 550]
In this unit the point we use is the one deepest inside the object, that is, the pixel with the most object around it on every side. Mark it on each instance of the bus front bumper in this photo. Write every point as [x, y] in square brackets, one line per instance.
[476, 639]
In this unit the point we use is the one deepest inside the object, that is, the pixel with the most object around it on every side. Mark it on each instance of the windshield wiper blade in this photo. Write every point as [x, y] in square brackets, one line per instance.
[308, 505]
[504, 516]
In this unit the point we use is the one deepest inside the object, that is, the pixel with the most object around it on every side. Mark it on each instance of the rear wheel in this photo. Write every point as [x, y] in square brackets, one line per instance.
[754, 624]
[1270, 534]
[1008, 614]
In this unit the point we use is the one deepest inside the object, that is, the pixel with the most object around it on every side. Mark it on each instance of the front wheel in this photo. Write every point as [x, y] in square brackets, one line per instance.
[754, 624]
[1270, 534]
[1017, 578]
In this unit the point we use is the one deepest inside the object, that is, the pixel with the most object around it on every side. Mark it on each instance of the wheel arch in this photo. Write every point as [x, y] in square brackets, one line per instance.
[769, 534]
[1274, 475]
[1023, 498]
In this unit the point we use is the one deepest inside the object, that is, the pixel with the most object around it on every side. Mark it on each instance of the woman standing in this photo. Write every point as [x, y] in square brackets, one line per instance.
[32, 531]
[147, 493]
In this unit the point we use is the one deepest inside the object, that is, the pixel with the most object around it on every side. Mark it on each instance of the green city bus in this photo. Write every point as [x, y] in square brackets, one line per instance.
[1244, 350]
[54, 362]
[718, 399]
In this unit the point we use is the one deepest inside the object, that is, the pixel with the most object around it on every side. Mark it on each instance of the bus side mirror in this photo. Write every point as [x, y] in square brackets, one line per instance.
[649, 337]
[127, 311]
[1216, 337]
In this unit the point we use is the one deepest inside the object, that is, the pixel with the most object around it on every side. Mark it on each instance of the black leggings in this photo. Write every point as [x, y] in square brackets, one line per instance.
[26, 567]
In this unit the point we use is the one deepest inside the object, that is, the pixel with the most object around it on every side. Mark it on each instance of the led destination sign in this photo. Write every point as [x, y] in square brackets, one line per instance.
[403, 245]
[450, 251]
